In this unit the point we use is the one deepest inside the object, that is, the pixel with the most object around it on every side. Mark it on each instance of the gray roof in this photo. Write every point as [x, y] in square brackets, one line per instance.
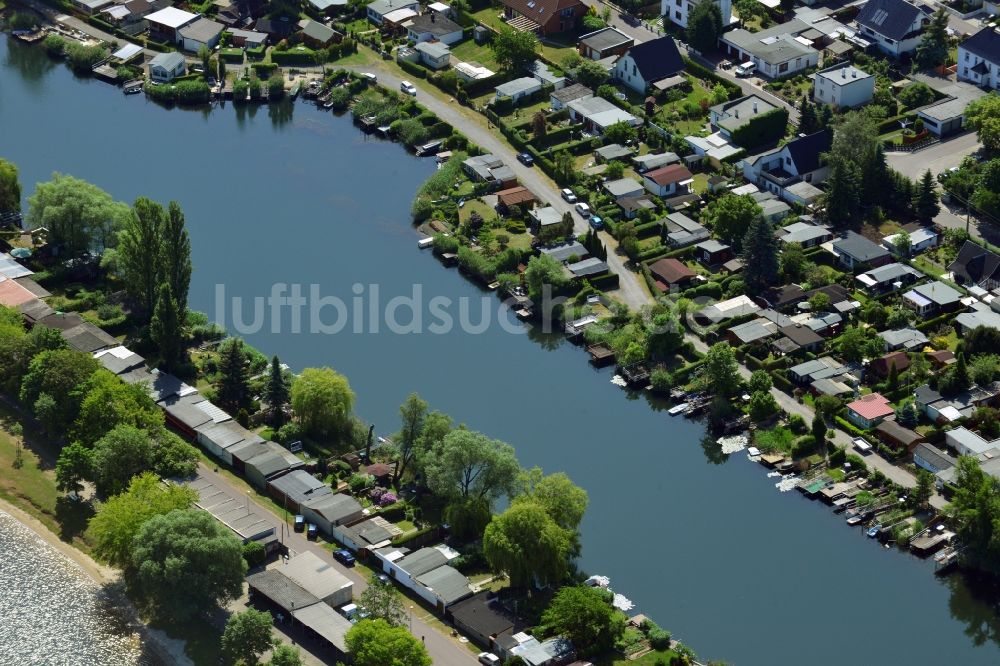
[737, 113]
[891, 273]
[318, 577]
[803, 232]
[433, 49]
[298, 485]
[370, 531]
[318, 31]
[281, 590]
[938, 292]
[842, 74]
[772, 207]
[422, 561]
[203, 30]
[925, 395]
[890, 18]
[622, 187]
[934, 456]
[655, 160]
[860, 248]
[712, 245]
[585, 267]
[563, 251]
[383, 7]
[335, 507]
[120, 362]
[446, 583]
[433, 23]
[546, 216]
[571, 92]
[590, 106]
[605, 38]
[613, 151]
[521, 85]
[752, 331]
[326, 622]
[183, 409]
[774, 44]
[165, 385]
[905, 337]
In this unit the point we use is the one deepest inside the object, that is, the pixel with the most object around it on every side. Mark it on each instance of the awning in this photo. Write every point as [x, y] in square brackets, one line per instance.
[127, 52]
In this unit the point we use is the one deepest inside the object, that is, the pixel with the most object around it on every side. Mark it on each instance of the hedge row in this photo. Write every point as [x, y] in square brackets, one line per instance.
[735, 92]
[412, 68]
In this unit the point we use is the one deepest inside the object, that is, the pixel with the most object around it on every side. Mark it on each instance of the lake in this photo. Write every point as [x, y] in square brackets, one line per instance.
[701, 542]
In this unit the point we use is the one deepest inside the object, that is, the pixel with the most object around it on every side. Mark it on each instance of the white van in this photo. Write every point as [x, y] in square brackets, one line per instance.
[371, 77]
[746, 69]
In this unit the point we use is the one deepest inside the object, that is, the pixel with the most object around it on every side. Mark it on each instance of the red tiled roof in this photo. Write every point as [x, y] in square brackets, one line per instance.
[871, 406]
[671, 270]
[672, 173]
[540, 11]
[12, 294]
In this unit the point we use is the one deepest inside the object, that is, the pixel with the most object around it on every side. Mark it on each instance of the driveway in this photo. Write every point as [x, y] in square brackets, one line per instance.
[443, 649]
[630, 290]
[938, 157]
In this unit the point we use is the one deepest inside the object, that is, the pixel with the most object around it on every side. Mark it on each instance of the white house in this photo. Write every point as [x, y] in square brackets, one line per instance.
[203, 32]
[377, 10]
[677, 10]
[435, 55]
[843, 85]
[165, 67]
[894, 26]
[778, 51]
[668, 181]
[979, 59]
[597, 114]
[407, 568]
[518, 88]
[427, 27]
[797, 161]
[646, 63]
[920, 240]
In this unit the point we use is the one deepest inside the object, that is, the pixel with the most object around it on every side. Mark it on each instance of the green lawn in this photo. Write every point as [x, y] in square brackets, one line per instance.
[925, 265]
[469, 51]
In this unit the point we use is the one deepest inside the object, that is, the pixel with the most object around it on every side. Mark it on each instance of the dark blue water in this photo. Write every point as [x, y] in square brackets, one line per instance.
[704, 545]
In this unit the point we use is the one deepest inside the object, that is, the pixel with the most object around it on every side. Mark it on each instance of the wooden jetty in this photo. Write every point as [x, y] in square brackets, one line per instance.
[636, 374]
[105, 72]
[600, 354]
[449, 258]
[133, 87]
[930, 540]
[30, 36]
[575, 328]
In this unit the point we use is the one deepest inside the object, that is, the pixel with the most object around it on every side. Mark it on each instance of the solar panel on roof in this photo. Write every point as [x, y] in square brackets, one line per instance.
[880, 16]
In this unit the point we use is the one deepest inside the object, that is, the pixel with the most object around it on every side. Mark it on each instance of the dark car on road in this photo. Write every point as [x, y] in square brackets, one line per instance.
[526, 159]
[311, 531]
[300, 523]
[344, 557]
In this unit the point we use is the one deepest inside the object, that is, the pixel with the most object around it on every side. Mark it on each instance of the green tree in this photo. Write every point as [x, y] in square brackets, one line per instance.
[378, 643]
[247, 636]
[10, 187]
[704, 26]
[760, 256]
[165, 328]
[527, 545]
[986, 196]
[79, 216]
[538, 125]
[808, 120]
[586, 617]
[109, 402]
[544, 270]
[853, 343]
[59, 374]
[468, 464]
[185, 563]
[277, 392]
[932, 50]
[381, 601]
[286, 655]
[175, 256]
[467, 518]
[760, 380]
[983, 368]
[233, 384]
[118, 519]
[565, 501]
[139, 257]
[924, 489]
[591, 73]
[514, 50]
[793, 262]
[564, 167]
[762, 406]
[983, 115]
[721, 370]
[975, 510]
[730, 216]
[621, 132]
[819, 428]
[843, 201]
[413, 414]
[925, 204]
[119, 455]
[322, 400]
[73, 467]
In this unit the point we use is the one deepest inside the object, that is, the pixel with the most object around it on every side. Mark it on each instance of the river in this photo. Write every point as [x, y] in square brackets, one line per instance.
[701, 542]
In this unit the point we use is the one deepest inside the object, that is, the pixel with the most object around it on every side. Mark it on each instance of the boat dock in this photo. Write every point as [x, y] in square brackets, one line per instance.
[931, 539]
[575, 328]
[29, 36]
[600, 354]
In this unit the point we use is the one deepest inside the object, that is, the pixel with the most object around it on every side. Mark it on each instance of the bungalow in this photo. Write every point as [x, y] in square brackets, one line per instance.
[894, 26]
[777, 51]
[483, 619]
[235, 513]
[683, 231]
[378, 10]
[669, 180]
[869, 410]
[165, 67]
[920, 239]
[671, 274]
[571, 251]
[562, 97]
[646, 63]
[650, 161]
[804, 233]
[604, 43]
[469, 71]
[773, 210]
[587, 267]
[820, 368]
[795, 162]
[435, 55]
[826, 324]
[433, 26]
[784, 297]
[442, 587]
[404, 566]
[731, 116]
[882, 367]
[331, 510]
[489, 169]
[164, 25]
[979, 316]
[712, 253]
[545, 18]
[515, 196]
[932, 298]
[802, 337]
[677, 11]
[203, 32]
[249, 39]
[632, 205]
[831, 387]
[328, 7]
[854, 251]
[843, 86]
[898, 437]
[888, 278]
[91, 6]
[929, 457]
[948, 410]
[597, 114]
[757, 330]
[903, 338]
[544, 217]
[367, 535]
[612, 151]
[941, 358]
[546, 75]
[316, 34]
[115, 13]
[623, 187]
[724, 310]
[976, 265]
[518, 88]
[979, 59]
[969, 443]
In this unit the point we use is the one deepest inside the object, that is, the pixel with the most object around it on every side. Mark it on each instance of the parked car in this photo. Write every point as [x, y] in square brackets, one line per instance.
[300, 523]
[371, 77]
[526, 159]
[568, 195]
[408, 88]
[311, 531]
[344, 557]
[488, 659]
[597, 222]
[583, 209]
[746, 69]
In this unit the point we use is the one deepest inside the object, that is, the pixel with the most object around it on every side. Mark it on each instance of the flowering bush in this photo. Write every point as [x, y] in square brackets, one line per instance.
[386, 499]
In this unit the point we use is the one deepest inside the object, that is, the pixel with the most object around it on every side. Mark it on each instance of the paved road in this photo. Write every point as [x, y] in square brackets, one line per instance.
[938, 157]
[443, 649]
[631, 291]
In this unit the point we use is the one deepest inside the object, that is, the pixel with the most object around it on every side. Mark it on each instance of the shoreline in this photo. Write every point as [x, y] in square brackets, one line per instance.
[168, 651]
